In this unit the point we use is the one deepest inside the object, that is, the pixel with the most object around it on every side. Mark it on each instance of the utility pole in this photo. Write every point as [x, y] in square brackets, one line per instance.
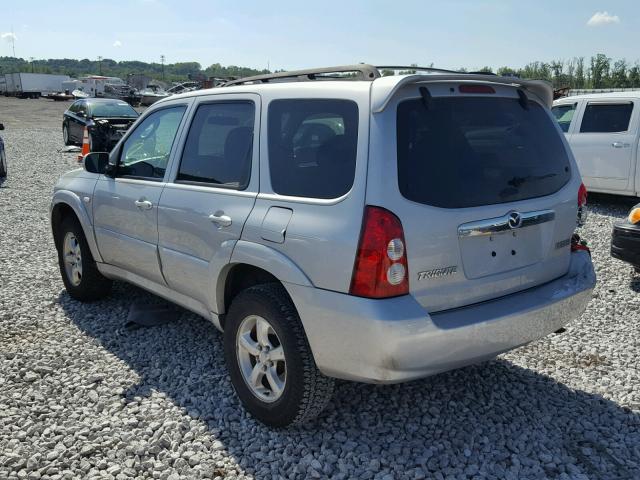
[31, 59]
[100, 64]
[13, 42]
[162, 63]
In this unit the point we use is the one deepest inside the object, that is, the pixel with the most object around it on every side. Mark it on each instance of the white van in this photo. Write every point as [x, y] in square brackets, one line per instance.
[602, 129]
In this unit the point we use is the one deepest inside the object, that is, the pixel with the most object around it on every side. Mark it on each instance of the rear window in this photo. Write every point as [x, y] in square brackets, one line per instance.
[312, 147]
[471, 151]
[606, 118]
[219, 146]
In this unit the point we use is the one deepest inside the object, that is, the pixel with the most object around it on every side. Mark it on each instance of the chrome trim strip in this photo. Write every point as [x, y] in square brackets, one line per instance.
[495, 225]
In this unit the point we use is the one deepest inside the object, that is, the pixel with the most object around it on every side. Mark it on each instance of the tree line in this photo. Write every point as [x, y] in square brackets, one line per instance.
[172, 72]
[599, 71]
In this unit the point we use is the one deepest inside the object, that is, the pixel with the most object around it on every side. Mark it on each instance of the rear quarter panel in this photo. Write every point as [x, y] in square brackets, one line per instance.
[322, 235]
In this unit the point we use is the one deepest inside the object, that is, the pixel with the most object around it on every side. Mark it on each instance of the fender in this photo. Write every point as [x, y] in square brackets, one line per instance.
[266, 258]
[71, 199]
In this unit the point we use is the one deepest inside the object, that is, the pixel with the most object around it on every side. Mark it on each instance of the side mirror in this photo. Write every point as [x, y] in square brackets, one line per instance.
[96, 162]
[1, 126]
[81, 113]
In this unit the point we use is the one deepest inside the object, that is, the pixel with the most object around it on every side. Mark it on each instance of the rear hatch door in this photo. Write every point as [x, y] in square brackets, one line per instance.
[484, 185]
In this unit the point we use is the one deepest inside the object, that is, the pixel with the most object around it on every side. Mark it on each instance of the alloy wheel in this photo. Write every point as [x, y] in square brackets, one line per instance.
[261, 358]
[72, 259]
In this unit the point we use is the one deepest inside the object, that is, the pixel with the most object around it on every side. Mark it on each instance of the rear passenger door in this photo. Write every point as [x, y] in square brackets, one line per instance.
[212, 190]
[603, 144]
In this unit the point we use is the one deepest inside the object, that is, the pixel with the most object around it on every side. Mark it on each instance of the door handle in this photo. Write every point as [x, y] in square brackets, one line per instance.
[619, 145]
[143, 204]
[220, 219]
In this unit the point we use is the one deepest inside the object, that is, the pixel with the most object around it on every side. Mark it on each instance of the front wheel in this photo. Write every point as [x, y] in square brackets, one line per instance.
[269, 359]
[80, 274]
[65, 134]
[3, 163]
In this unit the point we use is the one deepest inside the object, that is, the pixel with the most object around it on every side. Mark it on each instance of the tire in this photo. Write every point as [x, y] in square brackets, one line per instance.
[87, 284]
[94, 145]
[306, 391]
[65, 134]
[3, 164]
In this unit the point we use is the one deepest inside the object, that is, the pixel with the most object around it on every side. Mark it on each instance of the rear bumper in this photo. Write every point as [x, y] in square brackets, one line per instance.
[625, 243]
[395, 340]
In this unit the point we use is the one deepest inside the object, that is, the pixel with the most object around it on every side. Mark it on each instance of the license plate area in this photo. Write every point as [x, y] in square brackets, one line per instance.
[500, 252]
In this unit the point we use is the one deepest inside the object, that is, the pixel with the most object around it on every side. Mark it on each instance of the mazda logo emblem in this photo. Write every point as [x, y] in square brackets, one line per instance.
[515, 220]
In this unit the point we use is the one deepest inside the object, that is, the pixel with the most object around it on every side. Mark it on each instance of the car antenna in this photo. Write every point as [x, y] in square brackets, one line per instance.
[426, 97]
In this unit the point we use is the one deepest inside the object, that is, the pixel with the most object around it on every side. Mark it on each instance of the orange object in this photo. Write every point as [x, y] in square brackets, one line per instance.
[85, 144]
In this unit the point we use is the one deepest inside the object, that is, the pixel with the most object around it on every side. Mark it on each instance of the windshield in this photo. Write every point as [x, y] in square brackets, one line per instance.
[115, 109]
[471, 151]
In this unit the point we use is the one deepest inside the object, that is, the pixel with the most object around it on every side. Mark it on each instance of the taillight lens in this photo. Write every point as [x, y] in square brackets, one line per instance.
[634, 215]
[380, 269]
[582, 205]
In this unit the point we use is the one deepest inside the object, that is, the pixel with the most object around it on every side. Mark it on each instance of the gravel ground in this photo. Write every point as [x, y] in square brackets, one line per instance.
[83, 397]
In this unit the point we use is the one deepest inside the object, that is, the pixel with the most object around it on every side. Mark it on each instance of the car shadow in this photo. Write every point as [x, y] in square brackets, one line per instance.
[500, 413]
[608, 204]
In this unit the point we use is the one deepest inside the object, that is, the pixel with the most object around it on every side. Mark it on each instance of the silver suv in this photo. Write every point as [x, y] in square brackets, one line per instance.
[336, 223]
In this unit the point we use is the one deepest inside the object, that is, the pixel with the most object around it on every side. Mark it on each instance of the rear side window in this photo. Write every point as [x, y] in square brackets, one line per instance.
[219, 145]
[606, 118]
[564, 115]
[312, 147]
[471, 151]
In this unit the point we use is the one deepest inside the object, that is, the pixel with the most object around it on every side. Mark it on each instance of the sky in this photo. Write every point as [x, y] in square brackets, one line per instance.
[290, 34]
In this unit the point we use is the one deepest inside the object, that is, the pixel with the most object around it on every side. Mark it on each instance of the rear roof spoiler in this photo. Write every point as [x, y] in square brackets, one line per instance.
[385, 88]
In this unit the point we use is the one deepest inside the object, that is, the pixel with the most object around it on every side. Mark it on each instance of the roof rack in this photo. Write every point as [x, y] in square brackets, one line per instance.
[414, 68]
[429, 69]
[362, 71]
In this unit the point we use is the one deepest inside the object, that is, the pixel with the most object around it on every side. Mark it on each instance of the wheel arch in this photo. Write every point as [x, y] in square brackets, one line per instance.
[64, 204]
[254, 264]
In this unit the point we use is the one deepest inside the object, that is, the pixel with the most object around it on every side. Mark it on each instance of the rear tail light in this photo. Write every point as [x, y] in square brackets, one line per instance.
[582, 205]
[380, 269]
[476, 89]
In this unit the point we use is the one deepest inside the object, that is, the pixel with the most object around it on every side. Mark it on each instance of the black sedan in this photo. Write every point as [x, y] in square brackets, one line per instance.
[106, 120]
[3, 158]
[625, 240]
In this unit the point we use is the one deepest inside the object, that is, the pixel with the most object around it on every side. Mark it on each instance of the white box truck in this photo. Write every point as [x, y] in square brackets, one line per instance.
[33, 85]
[10, 89]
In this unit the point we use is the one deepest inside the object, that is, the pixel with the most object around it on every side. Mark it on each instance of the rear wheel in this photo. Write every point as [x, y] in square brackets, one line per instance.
[79, 272]
[269, 359]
